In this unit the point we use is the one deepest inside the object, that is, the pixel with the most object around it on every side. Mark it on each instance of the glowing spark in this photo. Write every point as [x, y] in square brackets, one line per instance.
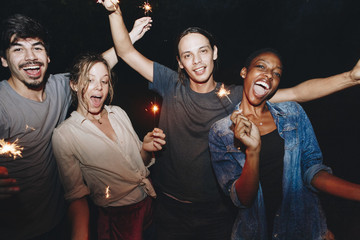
[223, 92]
[155, 108]
[28, 127]
[107, 192]
[147, 8]
[11, 149]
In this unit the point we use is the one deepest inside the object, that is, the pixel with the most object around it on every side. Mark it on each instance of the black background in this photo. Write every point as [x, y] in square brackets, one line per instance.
[316, 39]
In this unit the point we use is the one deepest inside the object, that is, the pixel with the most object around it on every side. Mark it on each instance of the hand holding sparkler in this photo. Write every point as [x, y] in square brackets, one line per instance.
[246, 131]
[7, 185]
[153, 141]
[141, 26]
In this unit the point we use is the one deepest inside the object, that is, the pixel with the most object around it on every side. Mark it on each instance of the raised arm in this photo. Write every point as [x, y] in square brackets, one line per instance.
[141, 26]
[319, 87]
[247, 184]
[123, 45]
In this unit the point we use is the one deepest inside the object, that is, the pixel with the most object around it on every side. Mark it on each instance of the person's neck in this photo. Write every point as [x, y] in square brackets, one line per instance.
[93, 117]
[203, 87]
[36, 94]
[251, 110]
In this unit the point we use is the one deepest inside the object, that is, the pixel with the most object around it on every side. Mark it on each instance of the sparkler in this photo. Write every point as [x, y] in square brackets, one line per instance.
[223, 93]
[107, 192]
[154, 108]
[11, 149]
[147, 8]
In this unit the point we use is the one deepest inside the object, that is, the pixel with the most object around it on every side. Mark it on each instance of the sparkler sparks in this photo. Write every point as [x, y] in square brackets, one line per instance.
[10, 149]
[147, 8]
[107, 192]
[223, 92]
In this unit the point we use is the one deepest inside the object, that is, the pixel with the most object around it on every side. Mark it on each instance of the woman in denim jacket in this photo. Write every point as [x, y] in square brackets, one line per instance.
[267, 158]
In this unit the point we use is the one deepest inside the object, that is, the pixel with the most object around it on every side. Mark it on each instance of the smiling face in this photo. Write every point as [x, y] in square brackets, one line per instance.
[262, 77]
[28, 61]
[196, 57]
[92, 89]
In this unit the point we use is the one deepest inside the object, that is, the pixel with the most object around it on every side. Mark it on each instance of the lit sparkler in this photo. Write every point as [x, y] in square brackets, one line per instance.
[154, 108]
[107, 192]
[223, 92]
[11, 149]
[147, 8]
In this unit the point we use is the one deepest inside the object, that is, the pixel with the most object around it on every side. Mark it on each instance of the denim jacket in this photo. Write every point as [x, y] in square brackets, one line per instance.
[300, 215]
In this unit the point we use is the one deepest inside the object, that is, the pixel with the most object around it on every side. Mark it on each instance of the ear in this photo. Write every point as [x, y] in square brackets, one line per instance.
[243, 72]
[48, 59]
[215, 53]
[4, 62]
[73, 86]
[179, 62]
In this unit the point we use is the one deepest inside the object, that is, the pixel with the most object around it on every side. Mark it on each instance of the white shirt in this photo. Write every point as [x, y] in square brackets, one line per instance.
[90, 163]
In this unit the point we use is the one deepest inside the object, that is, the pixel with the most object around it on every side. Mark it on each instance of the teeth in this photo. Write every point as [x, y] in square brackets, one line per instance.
[263, 84]
[199, 69]
[32, 68]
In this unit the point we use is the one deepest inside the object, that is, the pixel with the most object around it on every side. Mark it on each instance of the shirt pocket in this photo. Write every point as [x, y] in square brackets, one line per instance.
[291, 136]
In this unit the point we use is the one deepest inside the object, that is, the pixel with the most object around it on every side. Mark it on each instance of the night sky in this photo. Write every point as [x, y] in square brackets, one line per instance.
[317, 38]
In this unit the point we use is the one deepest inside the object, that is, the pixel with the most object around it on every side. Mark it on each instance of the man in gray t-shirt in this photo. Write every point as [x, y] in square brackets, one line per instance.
[32, 104]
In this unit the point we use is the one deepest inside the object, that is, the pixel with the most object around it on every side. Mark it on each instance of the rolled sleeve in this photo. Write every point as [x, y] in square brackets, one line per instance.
[69, 168]
[311, 172]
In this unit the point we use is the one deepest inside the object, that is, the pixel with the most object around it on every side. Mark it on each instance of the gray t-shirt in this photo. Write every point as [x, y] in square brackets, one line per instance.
[183, 169]
[39, 205]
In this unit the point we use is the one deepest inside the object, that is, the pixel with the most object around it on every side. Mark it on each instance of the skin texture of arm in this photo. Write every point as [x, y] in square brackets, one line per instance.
[333, 185]
[125, 49]
[247, 184]
[319, 87]
[79, 218]
[141, 26]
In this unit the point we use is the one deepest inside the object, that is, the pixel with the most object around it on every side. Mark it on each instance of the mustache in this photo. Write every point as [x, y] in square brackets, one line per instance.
[29, 63]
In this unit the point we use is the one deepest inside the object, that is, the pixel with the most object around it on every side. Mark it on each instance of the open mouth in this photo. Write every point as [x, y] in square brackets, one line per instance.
[200, 70]
[96, 101]
[261, 88]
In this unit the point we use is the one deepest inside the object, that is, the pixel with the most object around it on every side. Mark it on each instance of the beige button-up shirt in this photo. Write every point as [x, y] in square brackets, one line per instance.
[89, 162]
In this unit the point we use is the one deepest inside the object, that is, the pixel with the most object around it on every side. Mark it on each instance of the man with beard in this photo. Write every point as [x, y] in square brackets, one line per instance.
[32, 104]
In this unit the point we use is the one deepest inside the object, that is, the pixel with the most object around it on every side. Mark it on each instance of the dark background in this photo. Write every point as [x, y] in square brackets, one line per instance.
[316, 38]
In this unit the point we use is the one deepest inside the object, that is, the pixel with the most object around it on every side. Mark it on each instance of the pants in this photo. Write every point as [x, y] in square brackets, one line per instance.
[125, 222]
[175, 220]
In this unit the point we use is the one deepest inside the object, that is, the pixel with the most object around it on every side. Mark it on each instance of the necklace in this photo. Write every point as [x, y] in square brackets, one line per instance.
[99, 119]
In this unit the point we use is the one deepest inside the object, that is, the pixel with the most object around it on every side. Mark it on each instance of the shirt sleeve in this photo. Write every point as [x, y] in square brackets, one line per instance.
[311, 156]
[69, 167]
[227, 161]
[164, 78]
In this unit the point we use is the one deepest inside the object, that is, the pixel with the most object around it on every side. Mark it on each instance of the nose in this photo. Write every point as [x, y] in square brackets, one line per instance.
[197, 59]
[269, 75]
[99, 86]
[30, 55]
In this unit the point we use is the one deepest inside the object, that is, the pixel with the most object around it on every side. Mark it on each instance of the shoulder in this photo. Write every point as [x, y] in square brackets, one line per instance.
[222, 125]
[286, 107]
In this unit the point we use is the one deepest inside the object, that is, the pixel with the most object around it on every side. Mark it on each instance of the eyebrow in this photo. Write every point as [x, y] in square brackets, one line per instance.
[260, 59]
[34, 44]
[204, 46]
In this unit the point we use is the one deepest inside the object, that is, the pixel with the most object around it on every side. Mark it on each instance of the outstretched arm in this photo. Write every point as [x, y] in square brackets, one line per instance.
[122, 42]
[141, 26]
[333, 185]
[319, 87]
